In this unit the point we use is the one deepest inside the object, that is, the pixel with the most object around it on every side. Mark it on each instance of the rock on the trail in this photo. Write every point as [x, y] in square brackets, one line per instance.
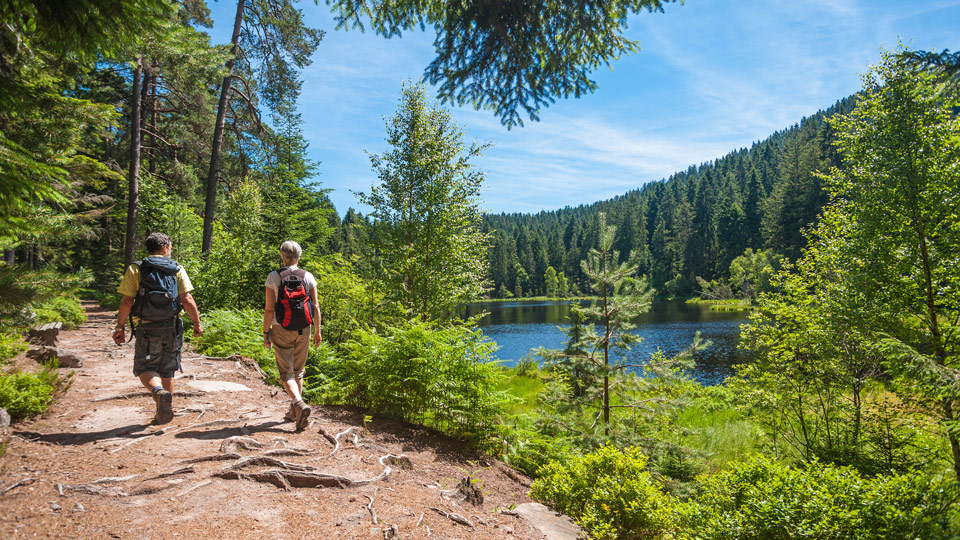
[66, 358]
[553, 525]
[4, 419]
[217, 386]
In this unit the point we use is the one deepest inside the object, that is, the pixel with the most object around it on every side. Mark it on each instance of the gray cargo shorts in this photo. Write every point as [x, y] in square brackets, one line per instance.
[158, 348]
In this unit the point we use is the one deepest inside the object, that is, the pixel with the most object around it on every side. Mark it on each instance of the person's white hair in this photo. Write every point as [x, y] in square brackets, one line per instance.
[290, 251]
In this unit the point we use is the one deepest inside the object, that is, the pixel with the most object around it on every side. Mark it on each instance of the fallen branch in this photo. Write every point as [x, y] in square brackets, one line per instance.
[419, 521]
[457, 518]
[515, 476]
[373, 513]
[21, 482]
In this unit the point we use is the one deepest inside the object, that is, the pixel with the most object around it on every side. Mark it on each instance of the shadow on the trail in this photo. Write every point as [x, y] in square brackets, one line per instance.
[222, 433]
[75, 439]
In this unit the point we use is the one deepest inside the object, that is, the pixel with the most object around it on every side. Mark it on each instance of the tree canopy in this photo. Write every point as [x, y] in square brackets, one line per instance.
[512, 57]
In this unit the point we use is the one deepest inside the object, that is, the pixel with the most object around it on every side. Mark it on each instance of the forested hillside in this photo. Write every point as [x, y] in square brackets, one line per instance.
[690, 225]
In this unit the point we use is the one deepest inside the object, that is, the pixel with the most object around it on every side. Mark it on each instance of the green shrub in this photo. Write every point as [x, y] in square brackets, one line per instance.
[762, 498]
[610, 494]
[232, 331]
[347, 302]
[25, 394]
[63, 308]
[324, 376]
[11, 345]
[438, 376]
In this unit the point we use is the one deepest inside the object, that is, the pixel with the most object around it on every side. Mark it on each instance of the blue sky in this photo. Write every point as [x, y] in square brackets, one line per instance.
[712, 76]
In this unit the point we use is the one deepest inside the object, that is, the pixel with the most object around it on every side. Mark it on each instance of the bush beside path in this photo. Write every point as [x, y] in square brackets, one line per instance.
[228, 466]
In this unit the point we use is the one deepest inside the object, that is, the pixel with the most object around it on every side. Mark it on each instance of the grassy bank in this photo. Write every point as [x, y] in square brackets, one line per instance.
[729, 304]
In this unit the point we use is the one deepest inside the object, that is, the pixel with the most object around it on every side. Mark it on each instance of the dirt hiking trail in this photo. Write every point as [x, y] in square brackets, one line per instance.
[228, 466]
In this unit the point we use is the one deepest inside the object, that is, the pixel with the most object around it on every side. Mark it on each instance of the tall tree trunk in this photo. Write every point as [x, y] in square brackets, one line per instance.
[210, 205]
[133, 178]
[9, 256]
[152, 104]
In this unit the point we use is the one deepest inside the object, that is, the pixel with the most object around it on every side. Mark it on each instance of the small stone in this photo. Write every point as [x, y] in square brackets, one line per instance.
[352, 499]
[4, 418]
[55, 507]
[78, 508]
[312, 514]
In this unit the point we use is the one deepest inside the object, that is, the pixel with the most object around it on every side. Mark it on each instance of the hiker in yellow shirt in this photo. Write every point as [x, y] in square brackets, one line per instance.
[154, 291]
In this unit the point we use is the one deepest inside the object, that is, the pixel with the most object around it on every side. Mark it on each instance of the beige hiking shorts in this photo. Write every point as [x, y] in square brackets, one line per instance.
[291, 348]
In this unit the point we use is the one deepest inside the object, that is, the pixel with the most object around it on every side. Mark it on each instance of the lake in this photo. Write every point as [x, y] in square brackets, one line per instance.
[670, 325]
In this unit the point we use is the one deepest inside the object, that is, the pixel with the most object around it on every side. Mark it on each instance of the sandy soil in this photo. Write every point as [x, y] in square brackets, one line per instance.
[122, 477]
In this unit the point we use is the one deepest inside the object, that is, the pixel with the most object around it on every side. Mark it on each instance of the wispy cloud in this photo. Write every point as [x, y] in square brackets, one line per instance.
[712, 77]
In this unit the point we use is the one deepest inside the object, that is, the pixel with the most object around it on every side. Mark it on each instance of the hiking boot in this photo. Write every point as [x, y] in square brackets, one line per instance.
[291, 414]
[164, 401]
[303, 414]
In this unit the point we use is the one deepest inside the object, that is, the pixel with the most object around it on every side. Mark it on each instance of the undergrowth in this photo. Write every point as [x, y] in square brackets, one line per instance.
[25, 394]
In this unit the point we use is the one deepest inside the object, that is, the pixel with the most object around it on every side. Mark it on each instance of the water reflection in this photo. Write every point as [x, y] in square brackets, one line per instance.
[518, 327]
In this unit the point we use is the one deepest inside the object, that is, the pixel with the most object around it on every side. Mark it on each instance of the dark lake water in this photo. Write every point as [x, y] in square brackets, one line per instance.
[670, 325]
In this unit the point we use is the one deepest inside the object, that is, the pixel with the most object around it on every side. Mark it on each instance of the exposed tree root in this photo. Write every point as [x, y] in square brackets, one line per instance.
[292, 452]
[184, 470]
[336, 438]
[373, 513]
[224, 422]
[195, 486]
[93, 489]
[265, 461]
[288, 475]
[454, 517]
[241, 363]
[215, 457]
[285, 479]
[146, 394]
[114, 479]
[230, 444]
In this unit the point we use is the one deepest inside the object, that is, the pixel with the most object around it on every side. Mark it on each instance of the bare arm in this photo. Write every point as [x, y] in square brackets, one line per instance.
[271, 302]
[317, 338]
[126, 304]
[190, 306]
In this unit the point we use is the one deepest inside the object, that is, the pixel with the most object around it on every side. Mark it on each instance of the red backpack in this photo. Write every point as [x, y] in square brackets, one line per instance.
[294, 304]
